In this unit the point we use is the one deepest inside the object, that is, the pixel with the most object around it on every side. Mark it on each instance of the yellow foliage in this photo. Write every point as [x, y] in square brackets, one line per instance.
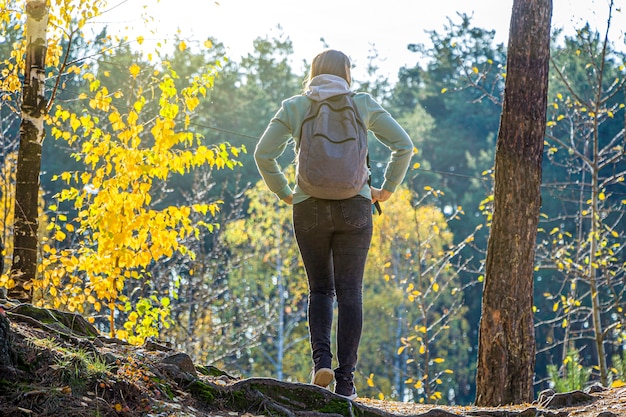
[618, 384]
[411, 246]
[117, 232]
[414, 232]
[134, 70]
[436, 396]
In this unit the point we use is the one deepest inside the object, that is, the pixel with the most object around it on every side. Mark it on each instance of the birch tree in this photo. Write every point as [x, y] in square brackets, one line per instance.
[24, 267]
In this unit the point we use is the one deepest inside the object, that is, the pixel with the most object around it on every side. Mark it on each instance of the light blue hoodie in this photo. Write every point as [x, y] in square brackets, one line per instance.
[287, 122]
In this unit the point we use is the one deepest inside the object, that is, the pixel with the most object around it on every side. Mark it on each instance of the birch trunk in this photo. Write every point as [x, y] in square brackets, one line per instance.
[24, 266]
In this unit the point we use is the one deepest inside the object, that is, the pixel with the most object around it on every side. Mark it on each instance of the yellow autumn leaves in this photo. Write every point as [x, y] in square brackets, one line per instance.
[116, 232]
[410, 245]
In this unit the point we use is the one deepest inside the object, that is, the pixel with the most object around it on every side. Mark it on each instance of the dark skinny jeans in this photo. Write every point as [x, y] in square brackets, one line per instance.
[334, 238]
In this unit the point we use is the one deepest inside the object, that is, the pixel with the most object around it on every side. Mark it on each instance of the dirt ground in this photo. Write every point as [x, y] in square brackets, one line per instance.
[47, 369]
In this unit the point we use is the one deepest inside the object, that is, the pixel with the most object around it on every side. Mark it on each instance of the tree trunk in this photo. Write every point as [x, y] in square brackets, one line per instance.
[24, 267]
[1, 256]
[506, 351]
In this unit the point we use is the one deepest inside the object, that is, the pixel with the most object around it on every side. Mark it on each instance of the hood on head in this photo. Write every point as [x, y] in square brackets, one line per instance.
[324, 86]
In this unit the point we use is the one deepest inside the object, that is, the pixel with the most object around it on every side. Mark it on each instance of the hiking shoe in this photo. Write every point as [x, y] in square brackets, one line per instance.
[345, 388]
[323, 377]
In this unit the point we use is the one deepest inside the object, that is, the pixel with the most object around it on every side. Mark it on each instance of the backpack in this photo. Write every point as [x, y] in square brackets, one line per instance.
[332, 158]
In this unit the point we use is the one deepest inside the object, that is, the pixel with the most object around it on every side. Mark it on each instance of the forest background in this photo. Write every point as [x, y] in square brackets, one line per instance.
[218, 273]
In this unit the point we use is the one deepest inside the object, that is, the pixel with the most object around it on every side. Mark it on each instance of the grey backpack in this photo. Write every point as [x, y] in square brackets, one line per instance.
[332, 157]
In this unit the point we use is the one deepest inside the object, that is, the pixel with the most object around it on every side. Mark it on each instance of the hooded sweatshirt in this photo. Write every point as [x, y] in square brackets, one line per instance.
[287, 122]
[326, 86]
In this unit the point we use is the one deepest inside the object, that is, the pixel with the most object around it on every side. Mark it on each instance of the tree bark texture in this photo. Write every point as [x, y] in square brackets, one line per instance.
[24, 266]
[506, 352]
[1, 256]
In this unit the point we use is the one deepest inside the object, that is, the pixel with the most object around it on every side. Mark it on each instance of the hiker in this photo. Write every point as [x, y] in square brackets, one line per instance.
[333, 235]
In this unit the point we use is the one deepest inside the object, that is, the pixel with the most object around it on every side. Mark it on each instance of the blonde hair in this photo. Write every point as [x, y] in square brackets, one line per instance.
[332, 62]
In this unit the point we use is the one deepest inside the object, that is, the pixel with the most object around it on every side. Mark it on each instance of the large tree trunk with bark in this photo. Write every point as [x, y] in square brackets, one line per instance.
[506, 351]
[24, 266]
